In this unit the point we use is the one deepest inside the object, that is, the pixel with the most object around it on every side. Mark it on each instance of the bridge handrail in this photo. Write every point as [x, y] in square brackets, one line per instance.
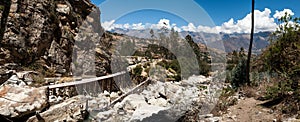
[84, 81]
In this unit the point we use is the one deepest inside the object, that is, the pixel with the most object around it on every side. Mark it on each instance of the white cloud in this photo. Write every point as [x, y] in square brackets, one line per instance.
[108, 25]
[138, 26]
[189, 27]
[177, 29]
[279, 14]
[162, 23]
[126, 26]
[263, 22]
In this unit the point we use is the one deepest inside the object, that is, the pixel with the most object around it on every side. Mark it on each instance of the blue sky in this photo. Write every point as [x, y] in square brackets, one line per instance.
[182, 12]
[223, 10]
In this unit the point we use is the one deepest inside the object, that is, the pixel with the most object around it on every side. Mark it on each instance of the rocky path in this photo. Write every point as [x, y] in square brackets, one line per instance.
[249, 110]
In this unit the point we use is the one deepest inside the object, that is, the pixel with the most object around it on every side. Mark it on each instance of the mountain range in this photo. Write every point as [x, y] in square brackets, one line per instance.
[231, 42]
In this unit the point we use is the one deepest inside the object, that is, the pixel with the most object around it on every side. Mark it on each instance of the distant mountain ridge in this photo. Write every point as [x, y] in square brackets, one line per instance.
[231, 42]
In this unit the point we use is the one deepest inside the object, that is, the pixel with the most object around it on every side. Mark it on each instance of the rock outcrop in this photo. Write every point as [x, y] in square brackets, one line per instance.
[40, 34]
[47, 38]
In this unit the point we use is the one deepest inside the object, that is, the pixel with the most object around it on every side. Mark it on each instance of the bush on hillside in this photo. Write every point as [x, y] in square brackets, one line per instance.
[282, 57]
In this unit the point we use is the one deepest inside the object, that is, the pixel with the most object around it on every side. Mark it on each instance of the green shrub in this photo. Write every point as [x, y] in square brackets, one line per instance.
[163, 63]
[138, 70]
[281, 89]
[282, 57]
[1, 7]
[38, 80]
[204, 68]
[175, 66]
[238, 77]
[272, 92]
[172, 65]
[202, 57]
[225, 100]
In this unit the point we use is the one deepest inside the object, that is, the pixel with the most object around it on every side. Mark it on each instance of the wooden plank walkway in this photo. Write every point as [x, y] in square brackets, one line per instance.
[84, 81]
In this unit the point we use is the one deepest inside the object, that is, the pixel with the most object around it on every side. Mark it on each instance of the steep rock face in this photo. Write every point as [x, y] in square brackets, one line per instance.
[41, 33]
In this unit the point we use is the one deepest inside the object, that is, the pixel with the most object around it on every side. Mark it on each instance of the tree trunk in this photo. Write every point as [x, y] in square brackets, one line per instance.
[250, 45]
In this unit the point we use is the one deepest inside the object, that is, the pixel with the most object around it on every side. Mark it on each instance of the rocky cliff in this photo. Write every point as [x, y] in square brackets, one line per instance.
[40, 34]
[46, 38]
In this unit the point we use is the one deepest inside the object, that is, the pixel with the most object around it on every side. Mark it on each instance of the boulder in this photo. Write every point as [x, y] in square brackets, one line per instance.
[133, 101]
[155, 90]
[71, 110]
[98, 102]
[17, 101]
[113, 95]
[63, 8]
[158, 102]
[105, 114]
[14, 79]
[196, 80]
[172, 90]
[147, 112]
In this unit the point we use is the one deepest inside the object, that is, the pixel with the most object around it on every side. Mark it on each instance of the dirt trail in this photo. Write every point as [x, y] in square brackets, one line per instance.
[249, 110]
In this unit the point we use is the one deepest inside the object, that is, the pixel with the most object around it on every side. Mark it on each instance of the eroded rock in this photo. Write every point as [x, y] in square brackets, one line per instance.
[17, 101]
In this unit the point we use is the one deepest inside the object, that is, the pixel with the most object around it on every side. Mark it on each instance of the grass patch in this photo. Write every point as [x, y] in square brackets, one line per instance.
[225, 100]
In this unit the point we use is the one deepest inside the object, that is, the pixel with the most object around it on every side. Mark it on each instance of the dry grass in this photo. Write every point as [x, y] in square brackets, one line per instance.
[225, 101]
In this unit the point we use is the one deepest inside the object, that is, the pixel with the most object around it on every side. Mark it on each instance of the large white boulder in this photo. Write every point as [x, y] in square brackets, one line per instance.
[133, 101]
[17, 101]
[146, 112]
